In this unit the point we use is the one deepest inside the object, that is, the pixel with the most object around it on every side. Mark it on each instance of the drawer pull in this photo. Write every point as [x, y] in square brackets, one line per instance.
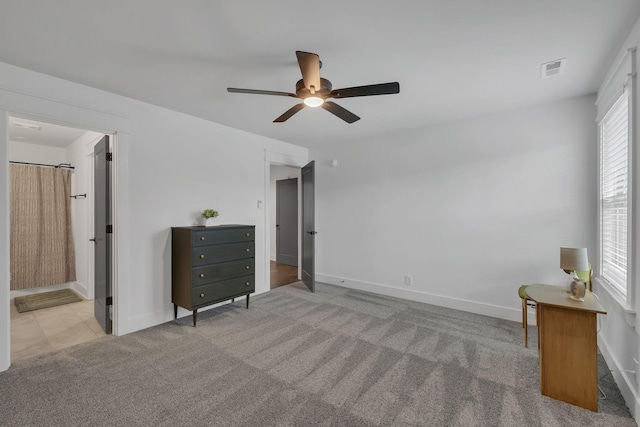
[247, 267]
[201, 275]
[248, 234]
[201, 256]
[248, 250]
[202, 238]
[248, 283]
[201, 295]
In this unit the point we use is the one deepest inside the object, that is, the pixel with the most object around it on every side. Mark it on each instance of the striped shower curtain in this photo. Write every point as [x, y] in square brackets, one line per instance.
[41, 239]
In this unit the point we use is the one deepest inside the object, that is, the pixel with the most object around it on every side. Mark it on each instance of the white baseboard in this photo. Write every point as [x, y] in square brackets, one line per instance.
[427, 298]
[138, 323]
[81, 289]
[31, 291]
[624, 380]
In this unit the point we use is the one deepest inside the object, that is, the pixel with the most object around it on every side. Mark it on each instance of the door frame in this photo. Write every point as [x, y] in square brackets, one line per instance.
[276, 159]
[279, 222]
[52, 111]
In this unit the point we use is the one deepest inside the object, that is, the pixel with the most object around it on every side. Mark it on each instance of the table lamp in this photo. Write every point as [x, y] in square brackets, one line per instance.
[572, 260]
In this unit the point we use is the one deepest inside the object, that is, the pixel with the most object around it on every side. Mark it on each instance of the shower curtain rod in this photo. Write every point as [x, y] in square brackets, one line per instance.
[58, 166]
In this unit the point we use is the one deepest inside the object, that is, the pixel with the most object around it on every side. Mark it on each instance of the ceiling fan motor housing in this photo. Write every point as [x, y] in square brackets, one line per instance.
[303, 92]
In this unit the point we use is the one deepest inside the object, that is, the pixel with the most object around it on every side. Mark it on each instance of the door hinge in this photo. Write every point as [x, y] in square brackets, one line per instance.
[109, 300]
[109, 229]
[109, 157]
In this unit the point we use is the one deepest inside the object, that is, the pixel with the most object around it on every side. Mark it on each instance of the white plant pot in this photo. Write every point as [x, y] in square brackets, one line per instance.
[209, 222]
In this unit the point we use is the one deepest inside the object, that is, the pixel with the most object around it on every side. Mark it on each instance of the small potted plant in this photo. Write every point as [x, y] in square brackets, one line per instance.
[208, 217]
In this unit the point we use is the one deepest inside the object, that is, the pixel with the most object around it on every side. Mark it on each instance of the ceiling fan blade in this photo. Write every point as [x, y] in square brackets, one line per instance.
[260, 92]
[310, 69]
[343, 113]
[290, 112]
[378, 89]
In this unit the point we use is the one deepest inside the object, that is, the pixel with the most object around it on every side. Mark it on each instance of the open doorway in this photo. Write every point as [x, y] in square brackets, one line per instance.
[31, 145]
[284, 228]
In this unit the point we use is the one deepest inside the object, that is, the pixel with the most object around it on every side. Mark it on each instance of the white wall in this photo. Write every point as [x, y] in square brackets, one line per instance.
[168, 167]
[277, 173]
[34, 153]
[471, 210]
[5, 344]
[618, 339]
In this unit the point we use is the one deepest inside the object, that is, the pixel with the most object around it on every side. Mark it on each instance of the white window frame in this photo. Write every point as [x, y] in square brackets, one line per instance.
[614, 280]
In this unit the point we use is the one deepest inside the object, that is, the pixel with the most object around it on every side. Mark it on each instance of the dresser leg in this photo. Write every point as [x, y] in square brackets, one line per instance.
[247, 301]
[195, 317]
[175, 311]
[233, 300]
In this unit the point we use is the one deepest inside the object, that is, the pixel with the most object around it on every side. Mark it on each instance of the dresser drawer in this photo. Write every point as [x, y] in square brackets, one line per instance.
[202, 255]
[220, 291]
[218, 272]
[213, 237]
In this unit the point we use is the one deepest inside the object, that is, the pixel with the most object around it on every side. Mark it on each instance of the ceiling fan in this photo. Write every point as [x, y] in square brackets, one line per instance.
[314, 90]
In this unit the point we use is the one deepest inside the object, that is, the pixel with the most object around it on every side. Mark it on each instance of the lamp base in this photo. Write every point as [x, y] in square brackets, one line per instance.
[578, 290]
[571, 280]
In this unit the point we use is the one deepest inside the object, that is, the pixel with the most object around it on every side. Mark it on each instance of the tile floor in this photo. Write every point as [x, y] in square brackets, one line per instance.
[50, 329]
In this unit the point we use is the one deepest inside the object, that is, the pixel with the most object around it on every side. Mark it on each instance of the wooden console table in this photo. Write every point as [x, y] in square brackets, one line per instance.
[568, 345]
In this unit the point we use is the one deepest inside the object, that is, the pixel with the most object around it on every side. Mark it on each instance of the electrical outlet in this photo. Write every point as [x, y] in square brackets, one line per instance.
[408, 280]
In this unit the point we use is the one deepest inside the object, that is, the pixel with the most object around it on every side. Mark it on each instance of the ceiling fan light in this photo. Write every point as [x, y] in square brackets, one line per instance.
[313, 101]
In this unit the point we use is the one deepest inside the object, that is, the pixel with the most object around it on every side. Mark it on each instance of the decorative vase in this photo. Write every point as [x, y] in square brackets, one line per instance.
[578, 290]
[209, 222]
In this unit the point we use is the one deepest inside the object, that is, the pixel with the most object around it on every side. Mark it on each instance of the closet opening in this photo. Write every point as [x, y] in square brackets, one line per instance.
[52, 194]
[284, 224]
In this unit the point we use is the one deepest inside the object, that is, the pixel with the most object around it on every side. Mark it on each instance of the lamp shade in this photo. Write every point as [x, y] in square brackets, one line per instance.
[572, 259]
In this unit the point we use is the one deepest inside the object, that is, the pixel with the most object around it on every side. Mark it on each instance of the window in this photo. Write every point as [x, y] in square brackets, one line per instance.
[614, 179]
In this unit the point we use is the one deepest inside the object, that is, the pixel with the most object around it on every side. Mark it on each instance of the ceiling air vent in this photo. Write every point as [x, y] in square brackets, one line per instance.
[553, 68]
[27, 126]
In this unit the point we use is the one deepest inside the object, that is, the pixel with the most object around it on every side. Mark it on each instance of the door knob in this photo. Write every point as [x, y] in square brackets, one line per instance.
[93, 240]
[313, 233]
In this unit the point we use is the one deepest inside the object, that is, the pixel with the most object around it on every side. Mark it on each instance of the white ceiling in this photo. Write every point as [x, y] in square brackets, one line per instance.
[453, 59]
[41, 133]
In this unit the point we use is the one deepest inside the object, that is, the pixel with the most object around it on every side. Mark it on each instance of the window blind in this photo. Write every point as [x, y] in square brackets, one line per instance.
[614, 164]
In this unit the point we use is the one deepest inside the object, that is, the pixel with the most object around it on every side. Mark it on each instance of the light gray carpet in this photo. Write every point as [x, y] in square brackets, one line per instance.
[335, 358]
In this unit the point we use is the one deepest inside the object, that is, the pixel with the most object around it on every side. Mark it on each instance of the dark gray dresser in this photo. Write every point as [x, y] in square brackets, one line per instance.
[210, 265]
